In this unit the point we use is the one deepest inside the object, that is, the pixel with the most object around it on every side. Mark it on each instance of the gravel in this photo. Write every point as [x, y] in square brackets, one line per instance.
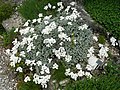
[7, 81]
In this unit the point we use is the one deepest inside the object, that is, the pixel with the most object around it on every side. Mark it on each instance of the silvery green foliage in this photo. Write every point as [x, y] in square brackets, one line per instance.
[48, 40]
[77, 49]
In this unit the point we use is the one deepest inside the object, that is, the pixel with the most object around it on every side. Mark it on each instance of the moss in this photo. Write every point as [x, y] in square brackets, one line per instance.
[28, 86]
[106, 13]
[59, 74]
[101, 39]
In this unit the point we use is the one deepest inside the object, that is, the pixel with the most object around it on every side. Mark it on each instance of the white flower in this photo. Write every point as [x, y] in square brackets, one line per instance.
[100, 45]
[22, 53]
[30, 47]
[39, 63]
[55, 66]
[53, 7]
[91, 51]
[67, 72]
[57, 53]
[8, 51]
[24, 41]
[59, 3]
[61, 43]
[35, 36]
[53, 25]
[45, 69]
[73, 3]
[67, 9]
[69, 23]
[34, 20]
[68, 58]
[37, 53]
[19, 59]
[46, 22]
[24, 31]
[89, 67]
[60, 8]
[49, 59]
[27, 62]
[61, 17]
[103, 52]
[15, 49]
[73, 16]
[15, 41]
[78, 66]
[74, 76]
[46, 7]
[47, 17]
[16, 30]
[88, 75]
[32, 30]
[81, 73]
[14, 58]
[49, 5]
[60, 29]
[41, 80]
[49, 28]
[39, 20]
[60, 52]
[95, 38]
[42, 72]
[19, 69]
[32, 63]
[62, 36]
[31, 69]
[63, 82]
[26, 23]
[12, 64]
[27, 79]
[85, 26]
[49, 42]
[40, 15]
[113, 41]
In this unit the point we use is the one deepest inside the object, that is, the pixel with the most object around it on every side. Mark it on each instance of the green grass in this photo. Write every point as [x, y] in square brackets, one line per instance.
[28, 86]
[108, 81]
[106, 13]
[8, 37]
[59, 74]
[6, 9]
[101, 39]
[31, 8]
[2, 29]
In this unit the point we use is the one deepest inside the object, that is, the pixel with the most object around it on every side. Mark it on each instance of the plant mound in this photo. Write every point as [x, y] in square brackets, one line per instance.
[47, 41]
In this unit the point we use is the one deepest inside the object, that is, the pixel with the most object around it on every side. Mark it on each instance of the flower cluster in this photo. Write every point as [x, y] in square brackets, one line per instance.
[48, 40]
[41, 80]
[113, 41]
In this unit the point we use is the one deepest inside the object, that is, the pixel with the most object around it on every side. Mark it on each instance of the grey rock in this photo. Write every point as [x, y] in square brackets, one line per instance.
[6, 82]
[119, 43]
[15, 21]
[14, 1]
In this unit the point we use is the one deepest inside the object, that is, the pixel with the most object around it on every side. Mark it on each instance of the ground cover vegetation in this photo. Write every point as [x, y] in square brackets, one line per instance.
[106, 13]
